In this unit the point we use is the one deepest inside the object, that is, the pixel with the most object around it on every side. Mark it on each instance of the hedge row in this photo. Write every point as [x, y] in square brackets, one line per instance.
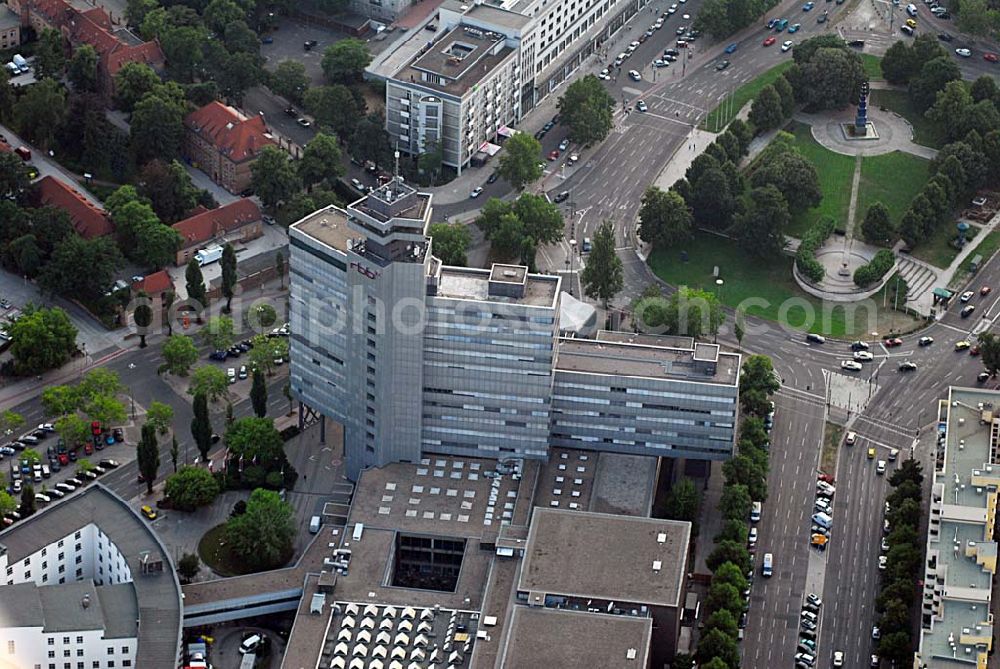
[866, 275]
[805, 257]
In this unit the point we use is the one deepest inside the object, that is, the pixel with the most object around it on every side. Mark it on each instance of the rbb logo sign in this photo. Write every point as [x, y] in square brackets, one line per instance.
[361, 269]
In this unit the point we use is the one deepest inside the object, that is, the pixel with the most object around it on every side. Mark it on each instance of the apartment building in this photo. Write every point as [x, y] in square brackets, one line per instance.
[486, 65]
[414, 357]
[961, 560]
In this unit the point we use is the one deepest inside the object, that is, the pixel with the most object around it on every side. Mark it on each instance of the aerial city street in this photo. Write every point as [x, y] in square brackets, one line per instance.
[408, 334]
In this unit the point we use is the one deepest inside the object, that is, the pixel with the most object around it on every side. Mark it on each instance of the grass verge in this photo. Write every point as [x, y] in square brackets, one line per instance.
[730, 106]
[873, 66]
[776, 295]
[832, 435]
[835, 171]
[215, 553]
[925, 131]
[986, 248]
[893, 179]
[937, 249]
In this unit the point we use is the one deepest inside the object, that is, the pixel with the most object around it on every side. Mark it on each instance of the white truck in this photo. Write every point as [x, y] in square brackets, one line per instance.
[208, 255]
[21, 63]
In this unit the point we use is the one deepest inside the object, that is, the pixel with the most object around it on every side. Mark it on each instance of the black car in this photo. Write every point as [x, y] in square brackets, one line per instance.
[309, 44]
[721, 65]
[290, 111]
[234, 352]
[860, 346]
[671, 52]
[944, 16]
[491, 178]
[967, 310]
[821, 18]
[548, 126]
[561, 197]
[945, 37]
[540, 133]
[983, 376]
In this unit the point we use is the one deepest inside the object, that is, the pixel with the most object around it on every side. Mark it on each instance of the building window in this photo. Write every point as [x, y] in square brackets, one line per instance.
[79, 639]
[65, 639]
[66, 652]
[52, 641]
[79, 652]
[124, 650]
[111, 650]
[10, 647]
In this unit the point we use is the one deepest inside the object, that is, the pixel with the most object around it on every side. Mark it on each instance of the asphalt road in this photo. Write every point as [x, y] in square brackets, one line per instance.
[136, 369]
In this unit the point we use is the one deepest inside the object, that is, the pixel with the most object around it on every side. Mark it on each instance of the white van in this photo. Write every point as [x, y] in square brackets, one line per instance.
[755, 512]
[823, 519]
[768, 566]
[250, 644]
[314, 524]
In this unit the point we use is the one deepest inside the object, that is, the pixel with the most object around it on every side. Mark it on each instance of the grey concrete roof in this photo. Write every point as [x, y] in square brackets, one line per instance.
[158, 595]
[20, 606]
[328, 226]
[474, 284]
[8, 19]
[559, 639]
[643, 361]
[603, 556]
[64, 609]
[120, 610]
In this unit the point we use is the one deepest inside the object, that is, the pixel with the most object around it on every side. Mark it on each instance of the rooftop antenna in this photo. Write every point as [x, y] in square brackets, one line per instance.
[395, 155]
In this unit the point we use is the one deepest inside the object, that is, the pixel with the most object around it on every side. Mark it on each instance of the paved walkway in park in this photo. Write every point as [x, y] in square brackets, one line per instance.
[894, 133]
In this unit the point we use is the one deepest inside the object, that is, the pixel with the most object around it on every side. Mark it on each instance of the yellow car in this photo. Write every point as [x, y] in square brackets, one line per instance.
[962, 345]
[911, 23]
[149, 512]
[871, 453]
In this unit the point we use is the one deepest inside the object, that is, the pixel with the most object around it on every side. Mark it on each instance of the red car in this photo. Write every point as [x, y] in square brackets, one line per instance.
[88, 448]
[826, 478]
[991, 57]
[974, 350]
[769, 41]
[554, 154]
[895, 341]
[985, 290]
[63, 459]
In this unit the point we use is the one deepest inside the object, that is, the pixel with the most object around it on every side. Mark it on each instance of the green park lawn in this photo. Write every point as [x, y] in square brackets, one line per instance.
[873, 66]
[746, 277]
[925, 131]
[730, 106]
[893, 179]
[836, 171]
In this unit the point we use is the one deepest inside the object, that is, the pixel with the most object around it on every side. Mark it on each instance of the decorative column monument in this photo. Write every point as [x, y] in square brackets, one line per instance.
[861, 120]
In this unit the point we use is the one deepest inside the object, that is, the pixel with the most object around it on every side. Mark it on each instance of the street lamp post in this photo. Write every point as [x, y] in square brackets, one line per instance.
[718, 294]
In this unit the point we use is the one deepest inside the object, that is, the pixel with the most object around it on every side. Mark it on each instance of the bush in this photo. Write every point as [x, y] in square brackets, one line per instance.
[805, 257]
[866, 275]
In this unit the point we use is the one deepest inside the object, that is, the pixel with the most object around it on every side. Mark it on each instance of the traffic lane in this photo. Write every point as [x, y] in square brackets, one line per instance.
[783, 531]
[852, 558]
[259, 99]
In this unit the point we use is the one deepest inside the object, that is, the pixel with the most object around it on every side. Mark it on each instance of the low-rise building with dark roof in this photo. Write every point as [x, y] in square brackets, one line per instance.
[88, 219]
[238, 221]
[223, 143]
[88, 578]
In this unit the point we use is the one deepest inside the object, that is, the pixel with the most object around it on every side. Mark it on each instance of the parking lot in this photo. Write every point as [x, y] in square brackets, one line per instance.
[287, 43]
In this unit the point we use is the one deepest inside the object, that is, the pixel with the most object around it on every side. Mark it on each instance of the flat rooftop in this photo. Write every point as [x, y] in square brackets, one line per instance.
[644, 361]
[497, 15]
[327, 226]
[559, 639]
[603, 556]
[157, 595]
[474, 284]
[395, 195]
[457, 60]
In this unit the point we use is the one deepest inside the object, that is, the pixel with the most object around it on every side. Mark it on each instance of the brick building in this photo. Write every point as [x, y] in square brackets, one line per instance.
[88, 219]
[115, 45]
[224, 143]
[238, 221]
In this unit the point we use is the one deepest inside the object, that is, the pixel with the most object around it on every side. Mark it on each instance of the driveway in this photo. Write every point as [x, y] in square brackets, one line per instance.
[45, 165]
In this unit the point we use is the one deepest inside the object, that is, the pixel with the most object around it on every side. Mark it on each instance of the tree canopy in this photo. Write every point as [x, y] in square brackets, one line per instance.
[586, 108]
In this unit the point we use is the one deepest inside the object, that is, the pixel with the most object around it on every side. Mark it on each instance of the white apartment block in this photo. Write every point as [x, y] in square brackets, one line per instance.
[86, 584]
[487, 64]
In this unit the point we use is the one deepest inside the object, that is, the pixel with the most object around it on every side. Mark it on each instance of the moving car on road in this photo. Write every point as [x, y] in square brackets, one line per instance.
[732, 48]
[770, 40]
[907, 366]
[967, 310]
[476, 192]
[963, 52]
[925, 341]
[850, 365]
[966, 296]
[721, 65]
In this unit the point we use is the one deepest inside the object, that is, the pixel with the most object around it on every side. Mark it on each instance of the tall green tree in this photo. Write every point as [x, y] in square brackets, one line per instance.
[50, 54]
[191, 487]
[760, 228]
[62, 275]
[143, 316]
[877, 227]
[321, 162]
[27, 507]
[179, 353]
[345, 61]
[519, 161]
[83, 69]
[766, 111]
[175, 451]
[132, 82]
[712, 200]
[229, 277]
[201, 425]
[794, 175]
[603, 276]
[40, 111]
[274, 177]
[148, 456]
[279, 267]
[899, 63]
[219, 332]
[169, 189]
[664, 218]
[989, 347]
[41, 339]
[210, 381]
[976, 17]
[160, 416]
[451, 240]
[289, 80]
[157, 129]
[683, 501]
[195, 285]
[258, 394]
[933, 76]
[586, 108]
[262, 537]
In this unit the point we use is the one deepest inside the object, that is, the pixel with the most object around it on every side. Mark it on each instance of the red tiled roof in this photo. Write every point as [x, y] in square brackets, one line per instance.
[154, 283]
[88, 219]
[5, 147]
[148, 53]
[236, 136]
[200, 228]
